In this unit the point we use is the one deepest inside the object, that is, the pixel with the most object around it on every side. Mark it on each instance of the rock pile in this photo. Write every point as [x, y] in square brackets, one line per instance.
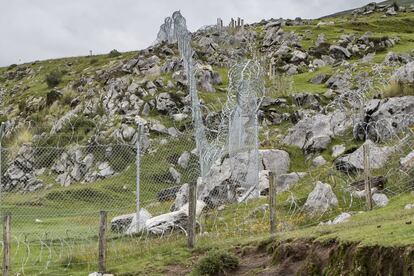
[76, 166]
[21, 174]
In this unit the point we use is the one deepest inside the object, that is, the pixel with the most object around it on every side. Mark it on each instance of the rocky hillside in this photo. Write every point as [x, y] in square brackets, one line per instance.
[334, 86]
[384, 6]
[350, 76]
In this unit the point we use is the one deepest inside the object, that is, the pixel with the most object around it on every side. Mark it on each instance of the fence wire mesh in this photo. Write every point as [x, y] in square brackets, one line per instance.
[54, 195]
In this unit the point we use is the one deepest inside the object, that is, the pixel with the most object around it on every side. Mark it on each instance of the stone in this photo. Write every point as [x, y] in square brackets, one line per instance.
[100, 274]
[135, 227]
[380, 200]
[271, 36]
[321, 199]
[184, 159]
[385, 119]
[164, 103]
[368, 58]
[320, 40]
[276, 161]
[259, 211]
[172, 131]
[298, 56]
[306, 100]
[318, 79]
[405, 74]
[315, 133]
[146, 110]
[120, 224]
[181, 197]
[355, 161]
[339, 52]
[391, 11]
[407, 162]
[158, 127]
[168, 194]
[338, 81]
[343, 217]
[179, 117]
[105, 170]
[286, 181]
[175, 175]
[319, 161]
[409, 206]
[173, 221]
[338, 150]
[318, 63]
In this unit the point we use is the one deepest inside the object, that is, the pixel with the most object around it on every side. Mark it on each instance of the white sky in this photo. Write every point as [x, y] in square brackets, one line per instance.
[41, 29]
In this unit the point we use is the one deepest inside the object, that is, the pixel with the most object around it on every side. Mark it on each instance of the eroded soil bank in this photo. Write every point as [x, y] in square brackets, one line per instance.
[310, 257]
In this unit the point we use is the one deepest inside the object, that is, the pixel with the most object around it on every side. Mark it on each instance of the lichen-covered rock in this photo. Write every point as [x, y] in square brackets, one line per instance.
[405, 74]
[385, 119]
[321, 199]
[355, 160]
[315, 133]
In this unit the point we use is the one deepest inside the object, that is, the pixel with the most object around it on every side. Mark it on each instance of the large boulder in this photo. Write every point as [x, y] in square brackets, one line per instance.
[276, 161]
[405, 74]
[355, 161]
[168, 222]
[164, 103]
[122, 223]
[385, 119]
[20, 174]
[285, 181]
[315, 133]
[321, 199]
[339, 52]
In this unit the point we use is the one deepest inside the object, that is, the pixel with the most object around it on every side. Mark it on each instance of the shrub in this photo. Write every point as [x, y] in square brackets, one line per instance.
[3, 118]
[53, 78]
[22, 136]
[114, 53]
[282, 86]
[11, 66]
[216, 262]
[67, 96]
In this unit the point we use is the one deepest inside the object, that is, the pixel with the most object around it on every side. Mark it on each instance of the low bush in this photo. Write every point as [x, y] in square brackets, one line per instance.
[53, 78]
[114, 53]
[216, 262]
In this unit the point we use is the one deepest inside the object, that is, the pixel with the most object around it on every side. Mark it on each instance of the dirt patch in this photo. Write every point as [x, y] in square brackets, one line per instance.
[309, 257]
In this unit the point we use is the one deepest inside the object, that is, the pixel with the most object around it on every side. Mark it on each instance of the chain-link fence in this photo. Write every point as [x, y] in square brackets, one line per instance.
[54, 195]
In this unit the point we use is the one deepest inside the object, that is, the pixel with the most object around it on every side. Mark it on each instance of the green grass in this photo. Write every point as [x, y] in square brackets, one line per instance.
[384, 226]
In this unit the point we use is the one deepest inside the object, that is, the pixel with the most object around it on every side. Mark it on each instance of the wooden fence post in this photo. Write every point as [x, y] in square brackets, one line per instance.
[102, 241]
[6, 244]
[192, 201]
[272, 202]
[367, 172]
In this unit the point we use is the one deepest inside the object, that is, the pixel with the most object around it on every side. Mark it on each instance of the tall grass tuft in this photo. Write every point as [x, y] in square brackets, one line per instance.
[397, 89]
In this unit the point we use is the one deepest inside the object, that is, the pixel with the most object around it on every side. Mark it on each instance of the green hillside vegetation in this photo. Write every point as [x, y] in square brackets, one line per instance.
[71, 213]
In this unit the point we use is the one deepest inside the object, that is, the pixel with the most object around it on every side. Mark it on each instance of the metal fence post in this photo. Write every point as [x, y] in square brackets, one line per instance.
[6, 244]
[102, 241]
[272, 203]
[140, 132]
[367, 172]
[192, 209]
[1, 158]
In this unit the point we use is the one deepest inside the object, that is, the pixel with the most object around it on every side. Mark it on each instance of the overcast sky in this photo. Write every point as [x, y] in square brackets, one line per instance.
[41, 29]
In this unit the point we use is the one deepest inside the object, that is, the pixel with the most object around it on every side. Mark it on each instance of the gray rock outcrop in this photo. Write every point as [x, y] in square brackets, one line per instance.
[321, 199]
